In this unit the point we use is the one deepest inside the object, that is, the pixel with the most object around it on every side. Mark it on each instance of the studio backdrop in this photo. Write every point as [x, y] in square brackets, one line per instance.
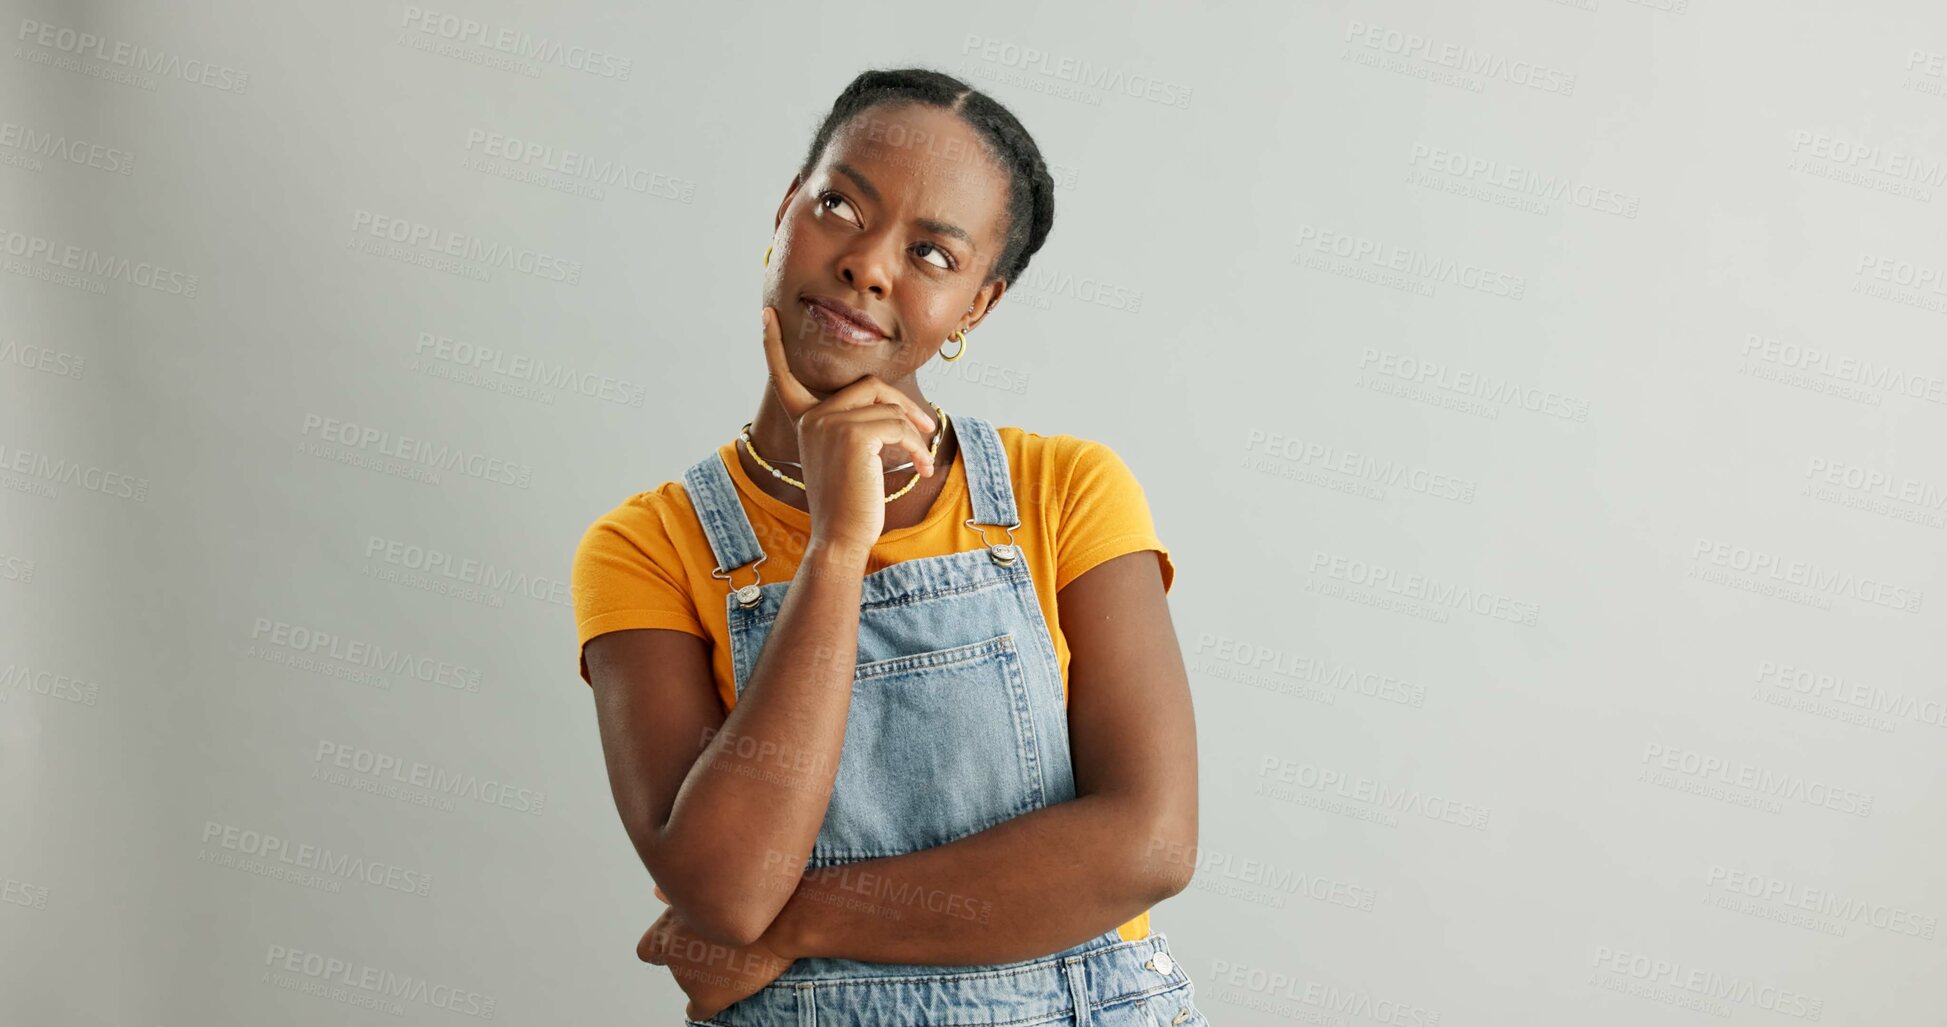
[1543, 400]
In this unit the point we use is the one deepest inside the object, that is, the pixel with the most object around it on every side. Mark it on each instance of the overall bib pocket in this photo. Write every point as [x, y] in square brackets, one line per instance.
[934, 750]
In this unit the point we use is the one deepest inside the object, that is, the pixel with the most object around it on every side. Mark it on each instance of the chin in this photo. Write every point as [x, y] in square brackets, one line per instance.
[830, 365]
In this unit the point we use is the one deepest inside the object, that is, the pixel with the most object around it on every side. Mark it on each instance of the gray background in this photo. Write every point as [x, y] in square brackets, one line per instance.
[1542, 401]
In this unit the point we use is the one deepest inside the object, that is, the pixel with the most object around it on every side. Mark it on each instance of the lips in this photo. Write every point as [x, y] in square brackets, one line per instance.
[845, 321]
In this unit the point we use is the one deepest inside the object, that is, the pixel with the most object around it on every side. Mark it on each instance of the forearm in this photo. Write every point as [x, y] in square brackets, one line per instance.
[1039, 883]
[759, 788]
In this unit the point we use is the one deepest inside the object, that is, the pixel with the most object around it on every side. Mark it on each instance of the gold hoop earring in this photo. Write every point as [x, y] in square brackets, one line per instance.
[960, 335]
[767, 256]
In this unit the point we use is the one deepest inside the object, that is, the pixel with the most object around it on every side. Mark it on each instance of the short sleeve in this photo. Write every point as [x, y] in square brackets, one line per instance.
[627, 574]
[1104, 514]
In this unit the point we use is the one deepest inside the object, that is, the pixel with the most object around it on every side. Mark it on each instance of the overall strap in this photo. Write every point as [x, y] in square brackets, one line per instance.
[714, 496]
[988, 482]
[734, 543]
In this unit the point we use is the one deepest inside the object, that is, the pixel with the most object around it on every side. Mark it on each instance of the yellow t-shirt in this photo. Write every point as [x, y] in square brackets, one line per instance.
[641, 564]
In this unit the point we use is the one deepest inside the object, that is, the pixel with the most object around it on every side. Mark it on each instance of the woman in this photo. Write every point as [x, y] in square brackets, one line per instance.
[891, 701]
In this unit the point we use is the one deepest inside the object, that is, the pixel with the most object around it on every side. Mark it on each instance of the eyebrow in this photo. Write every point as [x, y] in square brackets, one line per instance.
[930, 224]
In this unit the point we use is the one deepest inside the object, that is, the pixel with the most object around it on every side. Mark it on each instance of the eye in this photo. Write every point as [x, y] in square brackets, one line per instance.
[946, 262]
[949, 265]
[824, 197]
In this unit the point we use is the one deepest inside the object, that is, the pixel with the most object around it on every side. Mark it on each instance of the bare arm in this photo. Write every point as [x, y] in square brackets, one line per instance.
[724, 810]
[718, 807]
[1057, 876]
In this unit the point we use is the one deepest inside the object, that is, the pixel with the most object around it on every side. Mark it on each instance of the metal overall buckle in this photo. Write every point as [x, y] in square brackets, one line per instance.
[1003, 553]
[748, 595]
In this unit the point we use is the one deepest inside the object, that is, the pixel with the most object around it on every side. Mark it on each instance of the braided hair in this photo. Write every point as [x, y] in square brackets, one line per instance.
[1031, 189]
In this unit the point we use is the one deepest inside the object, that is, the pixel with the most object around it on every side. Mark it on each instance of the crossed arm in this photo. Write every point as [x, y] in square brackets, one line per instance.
[1060, 875]
[1035, 884]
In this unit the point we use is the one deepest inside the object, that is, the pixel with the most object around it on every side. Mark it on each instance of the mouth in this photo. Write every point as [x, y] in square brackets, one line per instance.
[845, 323]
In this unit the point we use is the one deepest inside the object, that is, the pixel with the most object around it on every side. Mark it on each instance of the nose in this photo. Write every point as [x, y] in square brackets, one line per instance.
[867, 264]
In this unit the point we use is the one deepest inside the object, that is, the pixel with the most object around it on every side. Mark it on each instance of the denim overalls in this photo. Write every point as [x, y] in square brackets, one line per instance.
[956, 724]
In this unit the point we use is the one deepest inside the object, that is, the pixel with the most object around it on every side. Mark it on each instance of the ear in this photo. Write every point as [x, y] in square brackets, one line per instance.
[789, 192]
[984, 301]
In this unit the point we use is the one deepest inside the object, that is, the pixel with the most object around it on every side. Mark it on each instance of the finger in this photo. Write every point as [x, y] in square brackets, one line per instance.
[874, 425]
[870, 389]
[790, 391]
[882, 425]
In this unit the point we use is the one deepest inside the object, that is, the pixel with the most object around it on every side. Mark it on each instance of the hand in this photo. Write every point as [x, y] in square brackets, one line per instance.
[713, 975]
[839, 442]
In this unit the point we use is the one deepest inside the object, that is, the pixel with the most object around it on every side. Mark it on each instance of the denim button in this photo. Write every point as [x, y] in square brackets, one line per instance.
[1161, 963]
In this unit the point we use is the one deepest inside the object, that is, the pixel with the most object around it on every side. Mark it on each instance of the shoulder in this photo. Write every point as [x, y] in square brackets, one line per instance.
[646, 523]
[1063, 473]
[1091, 500]
[1066, 456]
[648, 507]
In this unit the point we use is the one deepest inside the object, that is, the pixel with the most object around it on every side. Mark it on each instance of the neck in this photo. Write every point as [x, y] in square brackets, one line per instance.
[773, 435]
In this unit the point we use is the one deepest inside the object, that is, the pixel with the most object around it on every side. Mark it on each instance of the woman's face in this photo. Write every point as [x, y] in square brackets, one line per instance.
[901, 220]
